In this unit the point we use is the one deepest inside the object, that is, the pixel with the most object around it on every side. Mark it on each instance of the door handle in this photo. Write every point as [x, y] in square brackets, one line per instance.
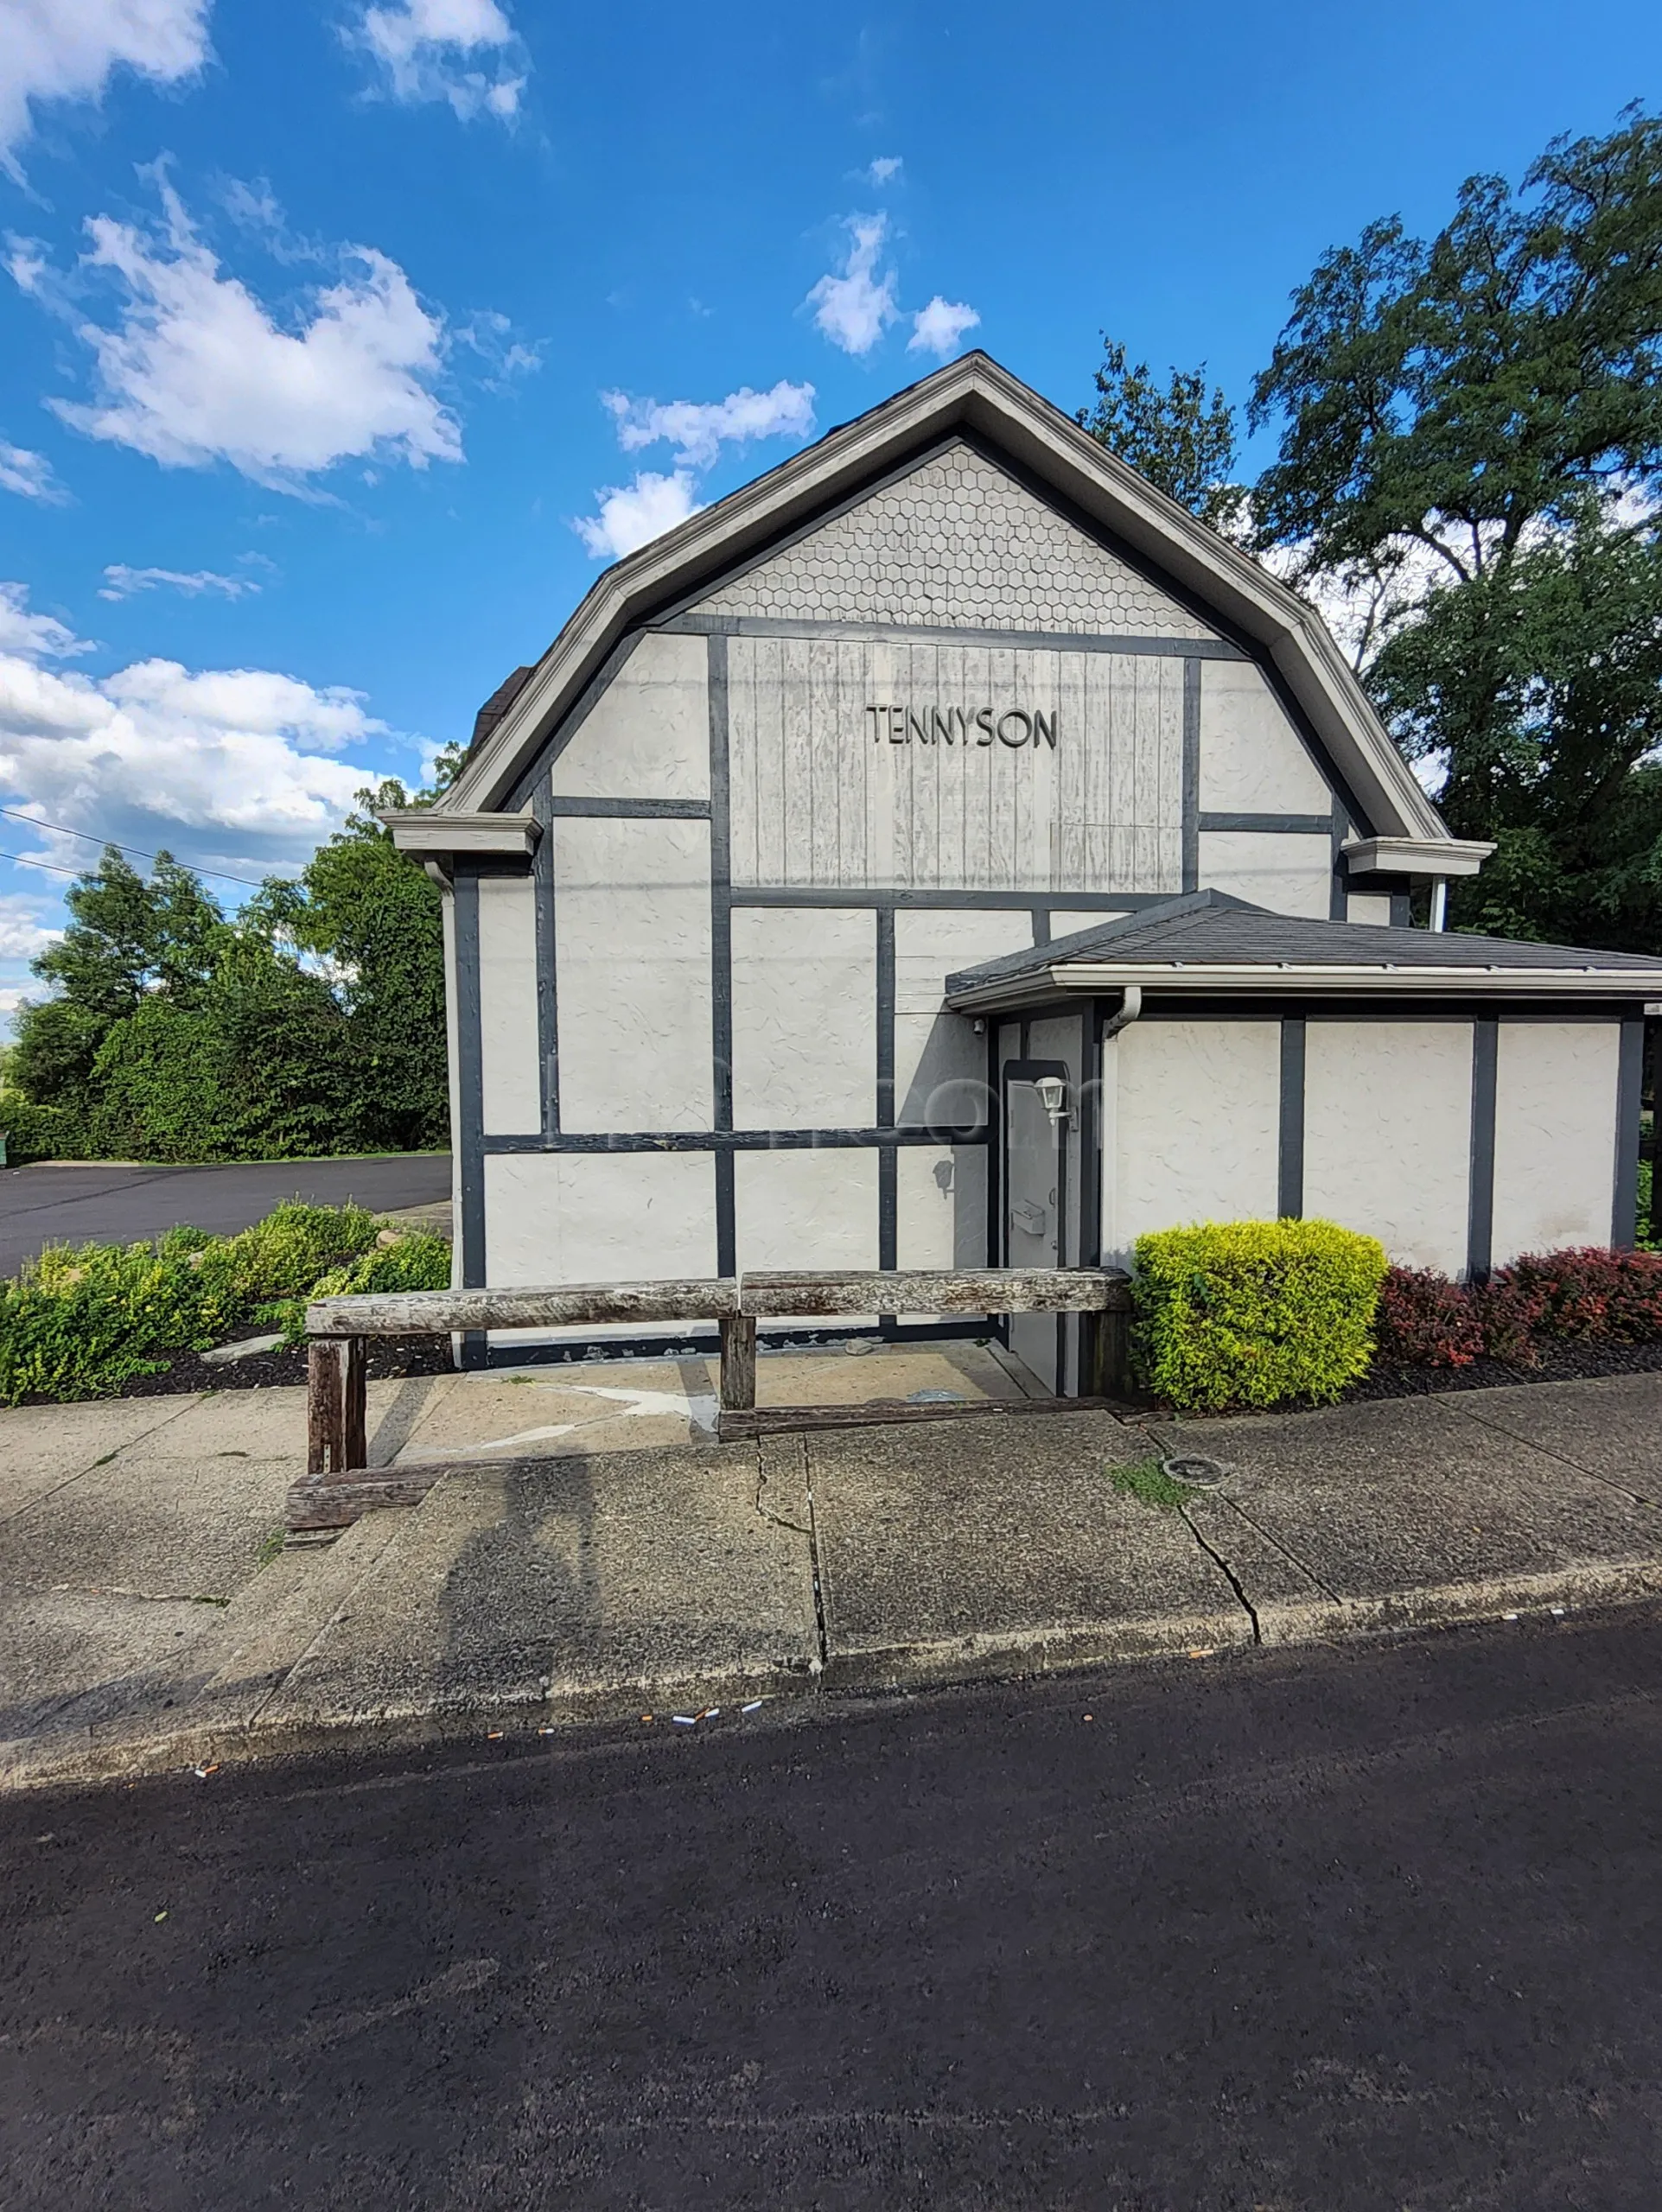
[1029, 1218]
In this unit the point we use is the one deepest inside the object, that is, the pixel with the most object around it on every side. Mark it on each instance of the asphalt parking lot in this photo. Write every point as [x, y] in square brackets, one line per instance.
[108, 1203]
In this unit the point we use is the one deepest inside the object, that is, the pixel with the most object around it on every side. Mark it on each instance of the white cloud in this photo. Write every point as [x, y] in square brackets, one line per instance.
[34, 636]
[121, 583]
[854, 309]
[197, 370]
[23, 933]
[28, 474]
[26, 261]
[884, 170]
[231, 768]
[462, 51]
[632, 515]
[698, 429]
[68, 49]
[939, 327]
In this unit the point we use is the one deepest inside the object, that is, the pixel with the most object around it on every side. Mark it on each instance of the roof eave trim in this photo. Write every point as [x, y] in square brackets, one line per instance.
[1444, 856]
[1276, 979]
[427, 833]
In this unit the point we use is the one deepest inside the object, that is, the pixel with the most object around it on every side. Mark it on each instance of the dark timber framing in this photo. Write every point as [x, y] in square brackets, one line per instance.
[924, 633]
[548, 1010]
[1289, 1173]
[470, 1085]
[1630, 1080]
[1190, 773]
[1480, 1233]
[720, 962]
[1272, 825]
[888, 1159]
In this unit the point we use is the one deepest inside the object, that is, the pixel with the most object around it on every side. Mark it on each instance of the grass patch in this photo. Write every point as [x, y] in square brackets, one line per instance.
[1149, 1484]
[271, 1549]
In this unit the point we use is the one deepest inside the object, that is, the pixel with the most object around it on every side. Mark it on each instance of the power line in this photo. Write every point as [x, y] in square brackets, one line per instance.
[24, 861]
[137, 851]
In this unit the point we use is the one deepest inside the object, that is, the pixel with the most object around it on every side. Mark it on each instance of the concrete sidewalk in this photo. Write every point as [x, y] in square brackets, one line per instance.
[149, 1617]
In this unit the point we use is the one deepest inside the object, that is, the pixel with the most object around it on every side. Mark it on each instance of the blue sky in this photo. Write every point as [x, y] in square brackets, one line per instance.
[340, 343]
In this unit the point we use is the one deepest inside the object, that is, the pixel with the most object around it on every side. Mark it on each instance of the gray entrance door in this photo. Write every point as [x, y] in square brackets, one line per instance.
[1033, 1200]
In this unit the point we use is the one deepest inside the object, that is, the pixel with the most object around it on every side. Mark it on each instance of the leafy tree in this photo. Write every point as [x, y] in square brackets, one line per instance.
[126, 939]
[1474, 427]
[311, 1022]
[1182, 438]
[372, 913]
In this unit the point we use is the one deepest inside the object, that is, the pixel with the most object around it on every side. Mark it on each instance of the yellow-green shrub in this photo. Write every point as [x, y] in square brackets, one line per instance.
[80, 1322]
[1254, 1312]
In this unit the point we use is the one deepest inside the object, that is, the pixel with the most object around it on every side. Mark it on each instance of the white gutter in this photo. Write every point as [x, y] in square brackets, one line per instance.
[1332, 979]
[1439, 902]
[1130, 1007]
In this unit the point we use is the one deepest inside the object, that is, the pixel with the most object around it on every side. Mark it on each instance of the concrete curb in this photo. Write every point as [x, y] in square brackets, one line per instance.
[970, 1660]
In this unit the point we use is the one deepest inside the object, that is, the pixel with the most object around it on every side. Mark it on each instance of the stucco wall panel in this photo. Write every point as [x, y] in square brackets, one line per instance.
[804, 1018]
[1289, 874]
[1372, 908]
[941, 1062]
[806, 1209]
[1387, 1134]
[552, 1218]
[1554, 1132]
[1191, 1126]
[1252, 761]
[958, 544]
[632, 957]
[507, 1006]
[941, 1206]
[647, 735]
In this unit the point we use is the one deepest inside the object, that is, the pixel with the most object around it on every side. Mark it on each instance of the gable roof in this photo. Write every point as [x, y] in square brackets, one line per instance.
[974, 397]
[1207, 941]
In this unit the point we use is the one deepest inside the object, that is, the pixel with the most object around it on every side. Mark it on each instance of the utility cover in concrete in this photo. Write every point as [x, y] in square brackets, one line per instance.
[942, 1544]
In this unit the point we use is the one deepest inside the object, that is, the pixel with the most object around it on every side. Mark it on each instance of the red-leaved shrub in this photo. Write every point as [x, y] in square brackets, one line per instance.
[1587, 1295]
[1592, 1295]
[1425, 1320]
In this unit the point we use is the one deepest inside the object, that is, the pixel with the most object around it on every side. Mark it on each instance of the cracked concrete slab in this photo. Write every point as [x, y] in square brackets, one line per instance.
[1611, 1427]
[159, 1527]
[68, 1659]
[1408, 1509]
[43, 1447]
[978, 1547]
[1287, 1602]
[567, 1586]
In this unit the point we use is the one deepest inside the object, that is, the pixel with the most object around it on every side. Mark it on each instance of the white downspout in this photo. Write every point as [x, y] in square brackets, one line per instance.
[1439, 902]
[1131, 1006]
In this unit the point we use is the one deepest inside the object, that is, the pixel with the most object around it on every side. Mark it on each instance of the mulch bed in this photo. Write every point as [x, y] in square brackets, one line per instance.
[1559, 1362]
[389, 1359]
[393, 1359]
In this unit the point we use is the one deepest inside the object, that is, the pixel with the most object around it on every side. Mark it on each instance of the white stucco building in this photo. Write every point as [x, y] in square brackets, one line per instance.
[945, 851]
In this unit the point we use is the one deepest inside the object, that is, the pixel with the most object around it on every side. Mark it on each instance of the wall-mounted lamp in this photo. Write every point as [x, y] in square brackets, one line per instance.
[1053, 1095]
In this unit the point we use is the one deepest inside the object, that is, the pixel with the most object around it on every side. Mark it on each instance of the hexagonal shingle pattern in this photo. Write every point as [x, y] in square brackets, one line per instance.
[957, 544]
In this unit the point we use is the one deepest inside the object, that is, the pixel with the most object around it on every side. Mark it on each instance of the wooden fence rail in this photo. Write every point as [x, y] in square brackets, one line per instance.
[339, 1487]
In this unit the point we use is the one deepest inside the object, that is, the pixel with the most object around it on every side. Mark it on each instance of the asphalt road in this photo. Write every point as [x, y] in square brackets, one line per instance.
[1374, 1927]
[120, 1205]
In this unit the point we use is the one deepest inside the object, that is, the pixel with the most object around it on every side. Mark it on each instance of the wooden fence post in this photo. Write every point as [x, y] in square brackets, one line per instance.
[1107, 1362]
[738, 1388]
[335, 1413]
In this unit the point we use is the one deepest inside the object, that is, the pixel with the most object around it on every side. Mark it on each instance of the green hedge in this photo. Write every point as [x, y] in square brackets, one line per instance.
[1254, 1312]
[40, 1132]
[79, 1323]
